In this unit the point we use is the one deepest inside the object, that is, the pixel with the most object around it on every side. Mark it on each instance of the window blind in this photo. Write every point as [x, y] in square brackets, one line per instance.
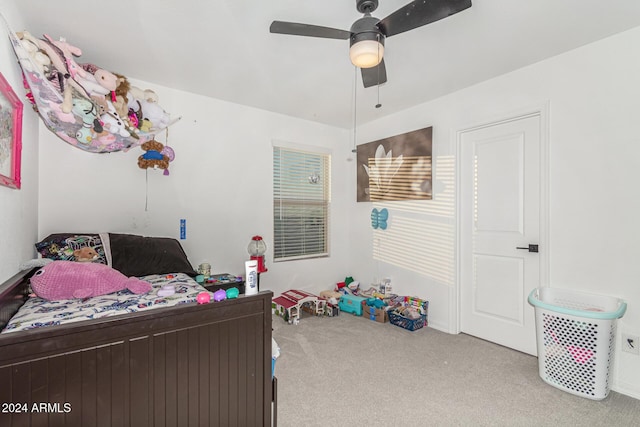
[301, 200]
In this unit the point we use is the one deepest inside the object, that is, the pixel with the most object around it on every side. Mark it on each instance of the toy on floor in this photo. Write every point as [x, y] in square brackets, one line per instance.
[348, 287]
[375, 302]
[290, 303]
[351, 304]
[332, 310]
[331, 296]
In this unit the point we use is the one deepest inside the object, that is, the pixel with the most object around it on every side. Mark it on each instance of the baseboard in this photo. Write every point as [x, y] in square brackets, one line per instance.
[628, 389]
[439, 327]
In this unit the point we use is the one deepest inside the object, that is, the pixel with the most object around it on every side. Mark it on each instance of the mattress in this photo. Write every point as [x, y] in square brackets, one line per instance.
[38, 312]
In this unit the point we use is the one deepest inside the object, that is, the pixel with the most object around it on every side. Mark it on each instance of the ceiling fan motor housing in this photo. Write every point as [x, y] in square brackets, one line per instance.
[366, 28]
[366, 6]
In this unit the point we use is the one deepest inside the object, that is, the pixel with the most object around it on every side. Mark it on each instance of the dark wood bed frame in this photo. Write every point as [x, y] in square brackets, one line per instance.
[188, 365]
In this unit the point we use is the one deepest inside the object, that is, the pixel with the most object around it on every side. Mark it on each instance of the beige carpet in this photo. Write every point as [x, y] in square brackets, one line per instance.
[350, 371]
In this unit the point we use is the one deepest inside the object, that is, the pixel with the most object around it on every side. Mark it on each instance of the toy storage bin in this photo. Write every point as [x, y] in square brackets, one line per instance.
[575, 334]
[407, 323]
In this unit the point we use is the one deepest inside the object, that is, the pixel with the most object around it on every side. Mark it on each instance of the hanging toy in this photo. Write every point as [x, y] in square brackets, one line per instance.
[156, 156]
[168, 152]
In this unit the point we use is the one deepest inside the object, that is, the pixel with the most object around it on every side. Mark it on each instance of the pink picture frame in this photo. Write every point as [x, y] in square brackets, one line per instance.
[10, 135]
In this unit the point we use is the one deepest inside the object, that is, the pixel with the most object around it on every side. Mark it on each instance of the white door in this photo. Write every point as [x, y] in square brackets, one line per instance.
[500, 195]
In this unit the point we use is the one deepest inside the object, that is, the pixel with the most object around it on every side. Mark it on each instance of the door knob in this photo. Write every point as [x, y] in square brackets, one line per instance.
[530, 248]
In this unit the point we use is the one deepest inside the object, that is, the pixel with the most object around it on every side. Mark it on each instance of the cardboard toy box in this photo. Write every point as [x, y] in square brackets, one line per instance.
[377, 314]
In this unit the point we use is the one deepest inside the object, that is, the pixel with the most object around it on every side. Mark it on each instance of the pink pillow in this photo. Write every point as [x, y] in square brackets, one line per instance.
[67, 279]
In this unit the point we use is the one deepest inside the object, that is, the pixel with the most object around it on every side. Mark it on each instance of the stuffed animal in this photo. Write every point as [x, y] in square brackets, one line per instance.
[114, 123]
[157, 156]
[122, 85]
[93, 86]
[144, 125]
[62, 55]
[84, 135]
[57, 111]
[99, 83]
[61, 280]
[144, 104]
[87, 111]
[104, 78]
[153, 112]
[143, 95]
[69, 51]
[92, 82]
[120, 99]
[58, 64]
[32, 51]
[86, 254]
[91, 126]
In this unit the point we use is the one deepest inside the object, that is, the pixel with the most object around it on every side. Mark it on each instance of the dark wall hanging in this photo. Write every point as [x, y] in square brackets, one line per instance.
[396, 168]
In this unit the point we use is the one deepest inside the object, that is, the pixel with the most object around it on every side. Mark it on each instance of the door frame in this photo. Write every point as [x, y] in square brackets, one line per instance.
[542, 111]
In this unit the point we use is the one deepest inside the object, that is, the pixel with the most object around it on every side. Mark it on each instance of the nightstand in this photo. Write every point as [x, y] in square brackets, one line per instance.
[224, 281]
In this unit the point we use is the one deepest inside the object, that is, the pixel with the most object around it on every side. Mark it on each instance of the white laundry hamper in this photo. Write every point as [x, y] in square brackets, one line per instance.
[575, 334]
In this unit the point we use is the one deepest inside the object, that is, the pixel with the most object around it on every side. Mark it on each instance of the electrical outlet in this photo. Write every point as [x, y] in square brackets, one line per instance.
[630, 344]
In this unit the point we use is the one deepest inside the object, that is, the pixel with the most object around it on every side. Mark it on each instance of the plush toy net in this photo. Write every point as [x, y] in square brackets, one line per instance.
[82, 103]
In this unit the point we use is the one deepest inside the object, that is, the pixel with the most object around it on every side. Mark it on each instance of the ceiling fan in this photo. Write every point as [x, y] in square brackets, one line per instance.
[367, 34]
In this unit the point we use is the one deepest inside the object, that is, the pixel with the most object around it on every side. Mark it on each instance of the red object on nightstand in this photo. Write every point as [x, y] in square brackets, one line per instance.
[257, 248]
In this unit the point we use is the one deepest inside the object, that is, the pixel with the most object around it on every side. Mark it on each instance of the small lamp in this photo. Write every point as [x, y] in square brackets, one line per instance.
[257, 247]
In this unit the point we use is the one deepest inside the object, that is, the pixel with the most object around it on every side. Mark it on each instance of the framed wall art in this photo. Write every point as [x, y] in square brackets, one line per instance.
[10, 135]
[395, 168]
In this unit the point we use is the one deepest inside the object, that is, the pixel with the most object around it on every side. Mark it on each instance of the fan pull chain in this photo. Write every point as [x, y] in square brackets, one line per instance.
[355, 109]
[378, 105]
[146, 190]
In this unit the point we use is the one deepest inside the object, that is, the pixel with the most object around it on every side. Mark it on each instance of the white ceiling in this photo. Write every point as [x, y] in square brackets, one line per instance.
[223, 48]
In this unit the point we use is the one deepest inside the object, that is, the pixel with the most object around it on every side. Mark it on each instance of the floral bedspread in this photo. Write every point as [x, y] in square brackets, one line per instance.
[38, 312]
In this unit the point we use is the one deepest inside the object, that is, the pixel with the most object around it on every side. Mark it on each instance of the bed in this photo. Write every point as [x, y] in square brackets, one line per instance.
[186, 364]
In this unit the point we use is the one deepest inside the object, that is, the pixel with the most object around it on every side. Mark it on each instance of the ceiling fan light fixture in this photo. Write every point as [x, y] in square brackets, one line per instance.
[367, 34]
[366, 53]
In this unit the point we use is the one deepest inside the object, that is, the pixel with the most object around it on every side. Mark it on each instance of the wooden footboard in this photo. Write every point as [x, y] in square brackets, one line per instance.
[201, 365]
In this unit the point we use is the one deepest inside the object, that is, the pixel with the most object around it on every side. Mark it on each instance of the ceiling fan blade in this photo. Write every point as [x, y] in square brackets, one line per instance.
[375, 75]
[295, 29]
[419, 13]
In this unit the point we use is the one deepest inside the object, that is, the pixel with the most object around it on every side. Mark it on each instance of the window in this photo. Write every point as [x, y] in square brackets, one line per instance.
[301, 199]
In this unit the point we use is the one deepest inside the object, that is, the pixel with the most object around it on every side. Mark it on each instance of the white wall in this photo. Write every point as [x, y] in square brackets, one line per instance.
[593, 95]
[223, 166]
[18, 208]
[220, 182]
